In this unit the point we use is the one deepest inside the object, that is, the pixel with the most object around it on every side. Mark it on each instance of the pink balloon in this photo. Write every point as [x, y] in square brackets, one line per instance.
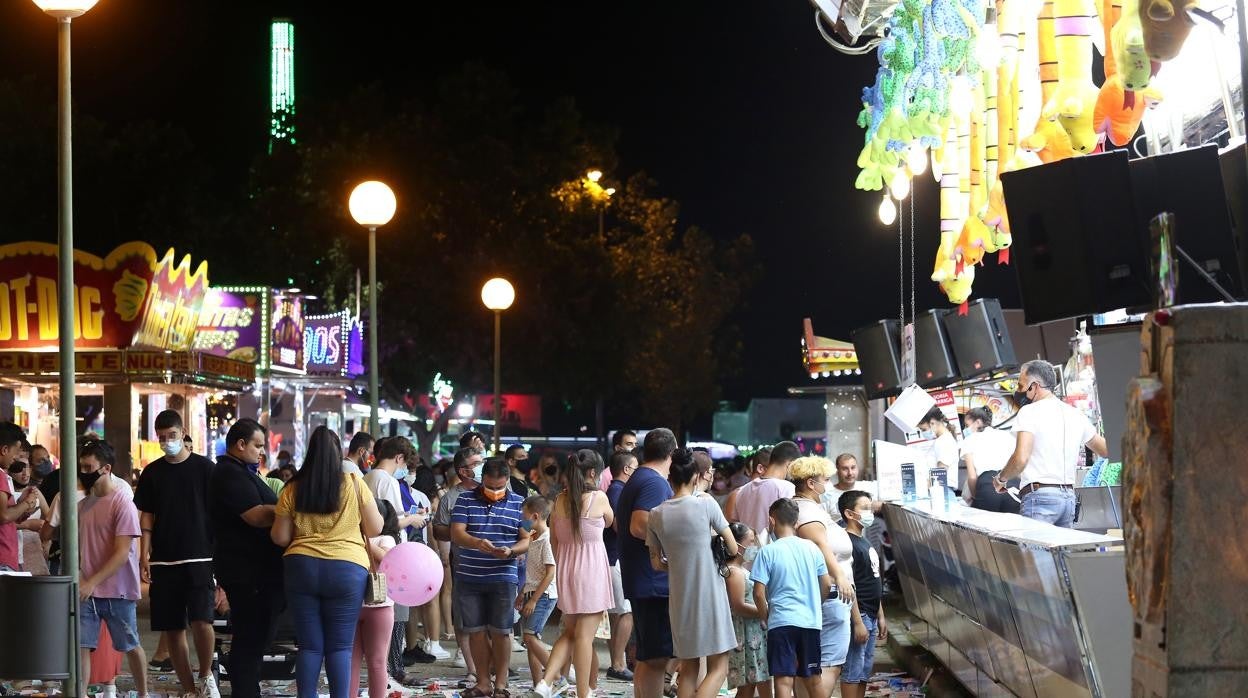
[413, 573]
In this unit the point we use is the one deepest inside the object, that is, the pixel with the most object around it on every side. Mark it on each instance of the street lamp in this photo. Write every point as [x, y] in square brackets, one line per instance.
[498, 295]
[65, 11]
[372, 204]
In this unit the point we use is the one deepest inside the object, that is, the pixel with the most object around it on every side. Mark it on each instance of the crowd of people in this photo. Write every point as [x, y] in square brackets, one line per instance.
[761, 576]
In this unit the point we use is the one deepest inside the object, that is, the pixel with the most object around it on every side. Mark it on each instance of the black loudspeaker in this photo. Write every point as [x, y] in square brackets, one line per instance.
[1078, 247]
[878, 347]
[1235, 182]
[1188, 183]
[980, 339]
[934, 365]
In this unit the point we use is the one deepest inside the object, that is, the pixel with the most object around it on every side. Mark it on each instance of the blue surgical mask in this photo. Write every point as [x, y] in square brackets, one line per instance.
[927, 435]
[526, 524]
[967, 432]
[867, 518]
[477, 472]
[401, 473]
[749, 554]
[171, 448]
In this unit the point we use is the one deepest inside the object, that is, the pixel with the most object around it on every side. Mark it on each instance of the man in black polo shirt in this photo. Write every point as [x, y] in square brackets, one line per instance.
[175, 556]
[248, 564]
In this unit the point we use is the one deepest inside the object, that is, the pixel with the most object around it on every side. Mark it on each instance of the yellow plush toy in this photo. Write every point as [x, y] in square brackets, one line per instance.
[1048, 141]
[1074, 100]
[1124, 44]
[1121, 103]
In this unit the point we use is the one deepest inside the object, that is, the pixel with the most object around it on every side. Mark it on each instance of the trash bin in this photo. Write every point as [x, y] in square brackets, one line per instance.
[37, 614]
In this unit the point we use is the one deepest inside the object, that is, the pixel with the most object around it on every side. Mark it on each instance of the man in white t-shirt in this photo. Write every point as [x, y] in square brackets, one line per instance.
[755, 498]
[393, 455]
[1050, 436]
[984, 449]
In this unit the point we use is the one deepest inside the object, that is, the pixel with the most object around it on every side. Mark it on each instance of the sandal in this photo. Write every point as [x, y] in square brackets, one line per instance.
[469, 680]
[501, 693]
[474, 692]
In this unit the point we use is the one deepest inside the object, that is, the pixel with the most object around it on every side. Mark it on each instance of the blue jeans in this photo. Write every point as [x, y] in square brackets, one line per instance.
[1052, 505]
[324, 597]
[834, 638]
[536, 623]
[117, 614]
[861, 658]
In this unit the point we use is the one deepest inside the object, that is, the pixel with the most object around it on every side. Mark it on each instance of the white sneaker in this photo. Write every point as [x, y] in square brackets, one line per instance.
[516, 645]
[459, 662]
[435, 648]
[110, 691]
[208, 686]
[543, 690]
[571, 673]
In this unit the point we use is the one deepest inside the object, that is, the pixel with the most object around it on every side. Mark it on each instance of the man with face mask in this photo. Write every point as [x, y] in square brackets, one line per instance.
[175, 555]
[393, 456]
[1050, 437]
[467, 467]
[358, 451]
[517, 458]
[109, 590]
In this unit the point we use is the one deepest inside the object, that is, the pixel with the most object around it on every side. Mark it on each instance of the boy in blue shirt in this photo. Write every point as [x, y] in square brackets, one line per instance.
[790, 580]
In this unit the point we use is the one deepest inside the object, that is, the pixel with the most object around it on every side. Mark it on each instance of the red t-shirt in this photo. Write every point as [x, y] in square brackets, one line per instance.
[8, 531]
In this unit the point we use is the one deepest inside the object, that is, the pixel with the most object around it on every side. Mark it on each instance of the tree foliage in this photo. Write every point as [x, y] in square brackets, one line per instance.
[487, 185]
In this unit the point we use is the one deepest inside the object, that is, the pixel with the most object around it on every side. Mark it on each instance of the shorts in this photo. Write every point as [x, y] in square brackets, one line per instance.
[485, 605]
[117, 614]
[653, 628]
[617, 592]
[834, 638]
[793, 651]
[536, 623]
[861, 659]
[182, 594]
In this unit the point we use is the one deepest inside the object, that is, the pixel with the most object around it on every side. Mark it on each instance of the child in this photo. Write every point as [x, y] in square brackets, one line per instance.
[537, 599]
[787, 593]
[747, 664]
[376, 625]
[855, 507]
[108, 528]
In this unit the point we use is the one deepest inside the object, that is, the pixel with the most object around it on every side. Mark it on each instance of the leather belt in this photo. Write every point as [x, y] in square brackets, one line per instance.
[1033, 486]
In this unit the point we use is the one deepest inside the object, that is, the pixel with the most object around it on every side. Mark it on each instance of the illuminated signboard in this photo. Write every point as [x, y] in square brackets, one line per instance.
[286, 343]
[128, 298]
[333, 345]
[232, 323]
[522, 412]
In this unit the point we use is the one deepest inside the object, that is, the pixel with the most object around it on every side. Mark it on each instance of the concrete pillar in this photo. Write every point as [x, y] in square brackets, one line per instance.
[119, 426]
[1185, 484]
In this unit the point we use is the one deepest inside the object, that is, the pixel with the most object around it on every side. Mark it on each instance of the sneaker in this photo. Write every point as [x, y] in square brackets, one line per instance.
[516, 645]
[435, 649]
[208, 686]
[420, 656]
[458, 662]
[542, 690]
[620, 674]
[110, 691]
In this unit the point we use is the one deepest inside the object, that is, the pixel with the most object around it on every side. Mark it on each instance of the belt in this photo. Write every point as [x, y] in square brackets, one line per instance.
[1033, 486]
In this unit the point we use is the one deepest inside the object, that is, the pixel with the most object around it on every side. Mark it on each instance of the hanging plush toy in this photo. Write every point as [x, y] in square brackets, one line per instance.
[1047, 140]
[1122, 100]
[1166, 25]
[1074, 100]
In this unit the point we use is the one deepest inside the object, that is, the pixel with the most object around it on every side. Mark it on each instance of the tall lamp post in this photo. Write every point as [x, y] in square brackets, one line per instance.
[64, 11]
[372, 205]
[602, 197]
[498, 295]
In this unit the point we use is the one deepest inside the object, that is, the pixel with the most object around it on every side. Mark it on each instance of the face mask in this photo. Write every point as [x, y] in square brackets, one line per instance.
[410, 479]
[439, 479]
[866, 518]
[749, 554]
[401, 473]
[253, 467]
[967, 432]
[927, 434]
[477, 471]
[88, 480]
[171, 448]
[1020, 397]
[493, 495]
[527, 524]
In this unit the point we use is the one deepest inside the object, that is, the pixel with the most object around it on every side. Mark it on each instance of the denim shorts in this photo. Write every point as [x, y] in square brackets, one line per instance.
[536, 623]
[834, 638]
[1052, 505]
[117, 614]
[485, 605]
[861, 659]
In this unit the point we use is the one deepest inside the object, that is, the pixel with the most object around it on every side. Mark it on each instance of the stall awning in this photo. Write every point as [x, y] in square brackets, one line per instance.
[827, 357]
[132, 365]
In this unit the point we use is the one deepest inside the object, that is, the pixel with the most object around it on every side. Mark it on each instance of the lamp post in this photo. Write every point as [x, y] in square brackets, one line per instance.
[498, 295]
[64, 11]
[372, 205]
[602, 197]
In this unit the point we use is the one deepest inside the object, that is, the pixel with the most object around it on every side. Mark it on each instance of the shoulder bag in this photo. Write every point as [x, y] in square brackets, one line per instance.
[375, 590]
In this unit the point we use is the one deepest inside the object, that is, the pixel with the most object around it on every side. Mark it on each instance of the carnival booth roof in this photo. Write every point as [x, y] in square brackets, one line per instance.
[823, 356]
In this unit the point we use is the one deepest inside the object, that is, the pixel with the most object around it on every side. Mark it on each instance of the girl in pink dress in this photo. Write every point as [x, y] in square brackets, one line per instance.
[582, 573]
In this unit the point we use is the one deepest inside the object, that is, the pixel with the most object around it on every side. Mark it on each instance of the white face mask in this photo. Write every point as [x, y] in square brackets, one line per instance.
[866, 518]
[749, 554]
[171, 448]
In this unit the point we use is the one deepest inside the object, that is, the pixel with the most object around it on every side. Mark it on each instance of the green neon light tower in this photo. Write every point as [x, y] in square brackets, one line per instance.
[282, 83]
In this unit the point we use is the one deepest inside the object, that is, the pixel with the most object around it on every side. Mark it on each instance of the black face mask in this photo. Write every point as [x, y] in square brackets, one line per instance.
[1020, 397]
[88, 480]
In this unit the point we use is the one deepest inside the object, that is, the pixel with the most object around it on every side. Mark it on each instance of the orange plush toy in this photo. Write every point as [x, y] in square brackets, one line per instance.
[1121, 102]
[1166, 25]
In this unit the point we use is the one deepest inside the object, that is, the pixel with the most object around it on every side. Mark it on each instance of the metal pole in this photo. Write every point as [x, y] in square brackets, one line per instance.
[498, 381]
[65, 328]
[374, 424]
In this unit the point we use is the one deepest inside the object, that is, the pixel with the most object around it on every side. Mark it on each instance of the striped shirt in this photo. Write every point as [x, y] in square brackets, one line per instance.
[498, 523]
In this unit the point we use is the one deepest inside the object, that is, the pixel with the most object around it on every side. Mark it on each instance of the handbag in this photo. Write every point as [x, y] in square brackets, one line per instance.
[375, 592]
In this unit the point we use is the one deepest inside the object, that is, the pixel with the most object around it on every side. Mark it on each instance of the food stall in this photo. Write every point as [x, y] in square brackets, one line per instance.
[134, 333]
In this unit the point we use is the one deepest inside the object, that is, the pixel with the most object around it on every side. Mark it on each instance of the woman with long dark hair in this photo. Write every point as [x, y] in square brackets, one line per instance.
[582, 573]
[322, 519]
[679, 539]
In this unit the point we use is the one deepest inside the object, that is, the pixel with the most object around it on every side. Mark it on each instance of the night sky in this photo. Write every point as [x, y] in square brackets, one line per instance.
[739, 110]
